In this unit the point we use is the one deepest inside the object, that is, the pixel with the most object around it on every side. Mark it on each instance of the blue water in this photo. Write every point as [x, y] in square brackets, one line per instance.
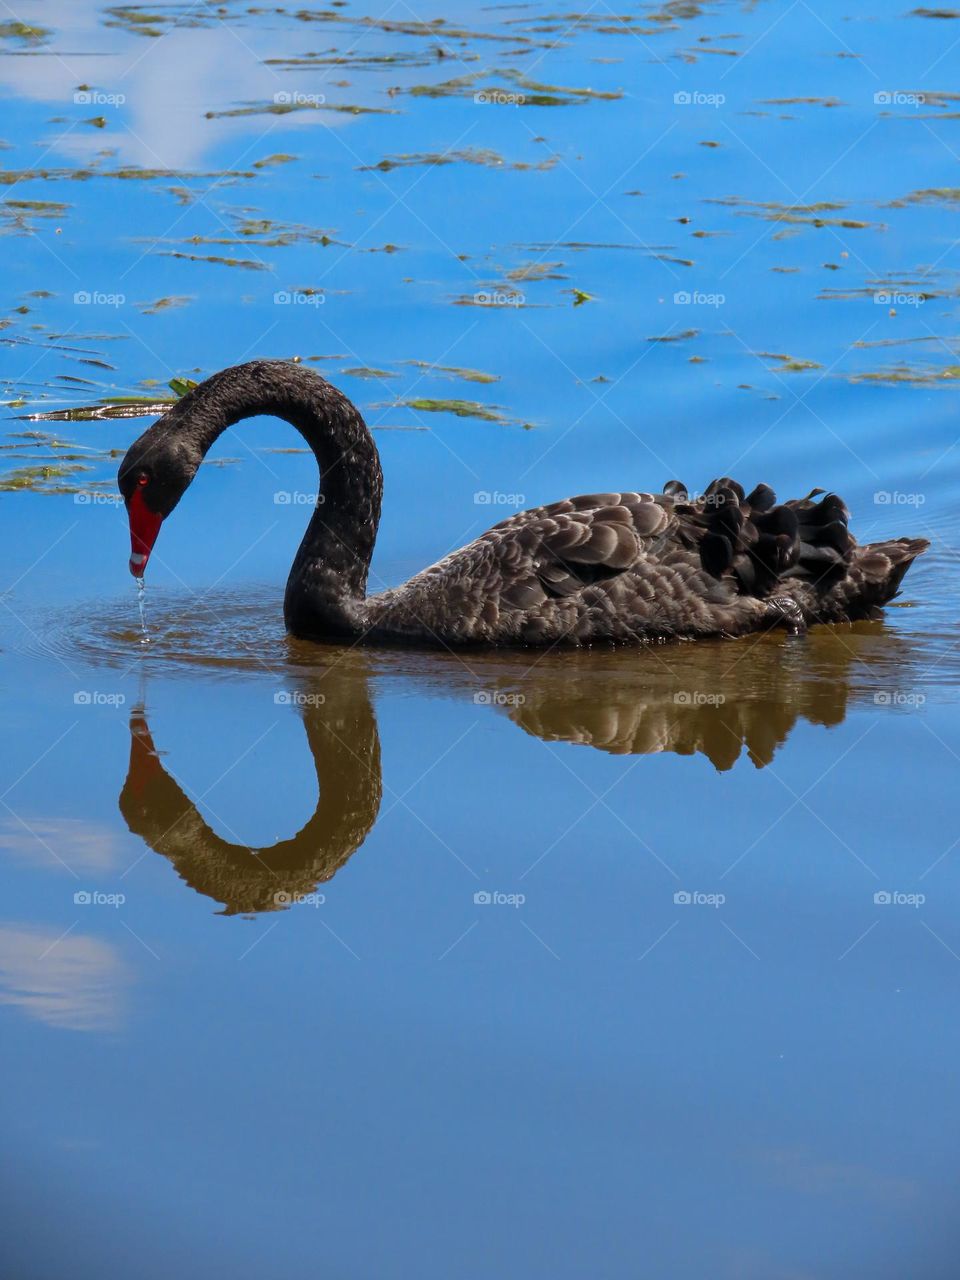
[458, 1016]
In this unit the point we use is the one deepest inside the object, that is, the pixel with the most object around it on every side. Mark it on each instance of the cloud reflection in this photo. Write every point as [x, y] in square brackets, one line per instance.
[65, 980]
[74, 843]
[169, 83]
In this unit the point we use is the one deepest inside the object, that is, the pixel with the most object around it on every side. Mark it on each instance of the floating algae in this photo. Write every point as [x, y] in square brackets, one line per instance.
[266, 233]
[452, 371]
[683, 336]
[44, 478]
[914, 375]
[788, 364]
[803, 214]
[459, 408]
[18, 217]
[246, 264]
[165, 304]
[299, 104]
[468, 155]
[24, 33]
[929, 195]
[516, 89]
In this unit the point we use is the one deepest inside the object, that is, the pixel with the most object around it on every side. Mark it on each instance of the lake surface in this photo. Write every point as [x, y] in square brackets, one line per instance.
[321, 961]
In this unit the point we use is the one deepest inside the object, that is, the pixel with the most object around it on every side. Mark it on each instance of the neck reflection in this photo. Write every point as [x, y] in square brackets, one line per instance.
[343, 741]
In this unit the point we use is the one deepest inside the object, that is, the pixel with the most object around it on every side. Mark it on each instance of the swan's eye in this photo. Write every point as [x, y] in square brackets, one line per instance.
[143, 479]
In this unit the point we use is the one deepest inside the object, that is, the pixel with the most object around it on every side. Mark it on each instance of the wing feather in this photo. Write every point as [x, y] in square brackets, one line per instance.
[561, 549]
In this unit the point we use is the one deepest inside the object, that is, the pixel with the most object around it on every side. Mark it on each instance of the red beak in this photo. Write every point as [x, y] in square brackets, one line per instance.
[144, 527]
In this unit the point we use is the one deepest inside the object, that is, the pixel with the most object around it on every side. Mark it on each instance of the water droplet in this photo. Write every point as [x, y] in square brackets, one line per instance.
[141, 605]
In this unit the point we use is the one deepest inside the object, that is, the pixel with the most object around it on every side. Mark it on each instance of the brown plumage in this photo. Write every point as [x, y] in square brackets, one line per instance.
[621, 567]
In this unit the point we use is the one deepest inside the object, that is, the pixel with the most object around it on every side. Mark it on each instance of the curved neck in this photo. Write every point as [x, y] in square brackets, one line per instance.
[342, 735]
[328, 580]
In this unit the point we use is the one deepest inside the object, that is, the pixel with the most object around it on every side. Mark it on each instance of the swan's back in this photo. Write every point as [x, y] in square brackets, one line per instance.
[641, 566]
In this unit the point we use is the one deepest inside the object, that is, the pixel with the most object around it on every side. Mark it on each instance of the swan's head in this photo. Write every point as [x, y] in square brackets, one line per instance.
[152, 479]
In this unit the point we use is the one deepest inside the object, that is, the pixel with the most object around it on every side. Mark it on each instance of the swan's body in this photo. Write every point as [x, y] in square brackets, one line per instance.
[602, 567]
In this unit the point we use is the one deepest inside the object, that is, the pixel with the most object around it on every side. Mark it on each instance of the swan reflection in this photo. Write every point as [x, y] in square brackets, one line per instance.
[343, 741]
[721, 701]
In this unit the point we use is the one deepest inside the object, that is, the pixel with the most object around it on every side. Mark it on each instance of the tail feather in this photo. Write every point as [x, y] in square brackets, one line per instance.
[883, 565]
[802, 547]
[762, 542]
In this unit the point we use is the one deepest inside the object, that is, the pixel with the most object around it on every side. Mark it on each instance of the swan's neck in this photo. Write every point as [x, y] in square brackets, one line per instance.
[328, 581]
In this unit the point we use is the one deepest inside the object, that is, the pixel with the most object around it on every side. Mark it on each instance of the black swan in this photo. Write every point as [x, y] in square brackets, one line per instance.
[601, 567]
